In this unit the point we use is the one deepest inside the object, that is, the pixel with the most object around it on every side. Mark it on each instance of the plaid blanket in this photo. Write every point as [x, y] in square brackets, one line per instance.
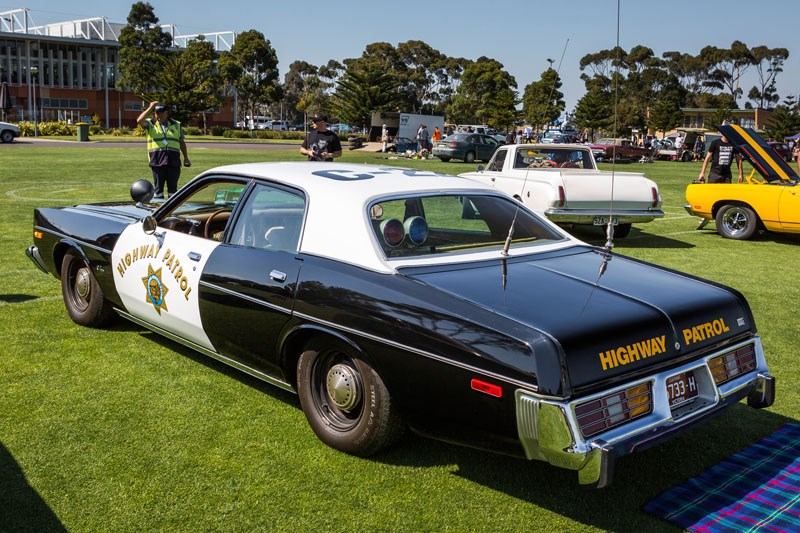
[757, 489]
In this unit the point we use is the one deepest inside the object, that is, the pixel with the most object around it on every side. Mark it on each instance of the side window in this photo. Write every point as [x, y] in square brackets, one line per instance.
[271, 218]
[206, 211]
[498, 160]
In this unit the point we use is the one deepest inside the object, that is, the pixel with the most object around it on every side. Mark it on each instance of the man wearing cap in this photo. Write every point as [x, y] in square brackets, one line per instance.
[165, 144]
[321, 144]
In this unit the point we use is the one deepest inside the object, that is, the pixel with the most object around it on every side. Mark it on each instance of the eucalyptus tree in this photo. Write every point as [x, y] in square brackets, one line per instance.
[482, 94]
[304, 89]
[691, 72]
[768, 63]
[424, 69]
[142, 45]
[727, 66]
[251, 68]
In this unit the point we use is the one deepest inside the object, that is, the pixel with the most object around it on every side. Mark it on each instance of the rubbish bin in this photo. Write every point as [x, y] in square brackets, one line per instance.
[82, 129]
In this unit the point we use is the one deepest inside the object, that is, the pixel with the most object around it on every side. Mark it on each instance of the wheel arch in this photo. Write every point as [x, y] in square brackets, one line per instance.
[721, 203]
[297, 337]
[61, 249]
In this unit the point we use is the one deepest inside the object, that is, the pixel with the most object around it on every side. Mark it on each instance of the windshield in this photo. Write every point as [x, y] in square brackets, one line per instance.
[553, 157]
[449, 224]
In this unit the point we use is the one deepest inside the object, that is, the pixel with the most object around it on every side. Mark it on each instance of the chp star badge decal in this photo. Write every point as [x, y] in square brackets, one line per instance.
[156, 291]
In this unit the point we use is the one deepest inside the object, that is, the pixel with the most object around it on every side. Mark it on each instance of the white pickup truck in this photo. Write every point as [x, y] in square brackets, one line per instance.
[562, 182]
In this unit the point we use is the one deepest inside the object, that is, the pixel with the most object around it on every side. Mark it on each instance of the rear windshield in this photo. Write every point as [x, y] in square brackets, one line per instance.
[453, 224]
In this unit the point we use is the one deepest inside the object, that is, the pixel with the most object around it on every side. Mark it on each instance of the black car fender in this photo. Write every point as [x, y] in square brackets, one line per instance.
[295, 336]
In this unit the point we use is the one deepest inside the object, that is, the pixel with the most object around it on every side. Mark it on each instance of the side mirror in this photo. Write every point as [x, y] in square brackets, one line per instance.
[142, 191]
[479, 168]
[149, 224]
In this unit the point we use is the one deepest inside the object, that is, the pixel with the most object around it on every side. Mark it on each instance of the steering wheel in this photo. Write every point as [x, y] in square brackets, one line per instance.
[568, 164]
[210, 218]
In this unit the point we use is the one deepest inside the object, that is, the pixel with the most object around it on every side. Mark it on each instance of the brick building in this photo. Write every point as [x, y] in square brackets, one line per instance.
[69, 70]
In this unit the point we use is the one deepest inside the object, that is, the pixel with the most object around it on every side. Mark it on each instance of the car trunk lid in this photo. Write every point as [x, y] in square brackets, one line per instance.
[630, 318]
[591, 190]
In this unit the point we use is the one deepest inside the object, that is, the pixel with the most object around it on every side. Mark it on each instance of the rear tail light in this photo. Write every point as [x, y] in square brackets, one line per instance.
[562, 197]
[734, 363]
[610, 411]
[453, 144]
[656, 197]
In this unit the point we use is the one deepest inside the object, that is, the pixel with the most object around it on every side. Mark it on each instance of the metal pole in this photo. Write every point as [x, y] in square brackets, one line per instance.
[35, 76]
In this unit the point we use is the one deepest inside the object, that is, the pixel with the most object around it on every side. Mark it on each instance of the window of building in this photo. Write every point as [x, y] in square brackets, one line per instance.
[65, 103]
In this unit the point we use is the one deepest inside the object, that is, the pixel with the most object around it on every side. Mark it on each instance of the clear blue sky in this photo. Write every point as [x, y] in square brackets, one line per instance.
[520, 34]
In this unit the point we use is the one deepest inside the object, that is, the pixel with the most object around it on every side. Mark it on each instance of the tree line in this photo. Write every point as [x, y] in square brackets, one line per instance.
[625, 90]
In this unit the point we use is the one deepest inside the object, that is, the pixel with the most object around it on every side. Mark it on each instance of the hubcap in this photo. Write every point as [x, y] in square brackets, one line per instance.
[83, 283]
[343, 386]
[735, 220]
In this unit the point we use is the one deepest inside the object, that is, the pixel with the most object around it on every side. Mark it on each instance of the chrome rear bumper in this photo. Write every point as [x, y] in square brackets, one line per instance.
[549, 430]
[571, 216]
[33, 254]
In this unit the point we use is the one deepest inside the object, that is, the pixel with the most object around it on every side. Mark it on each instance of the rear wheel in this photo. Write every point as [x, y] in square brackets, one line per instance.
[444, 159]
[86, 305]
[7, 136]
[469, 157]
[736, 222]
[344, 399]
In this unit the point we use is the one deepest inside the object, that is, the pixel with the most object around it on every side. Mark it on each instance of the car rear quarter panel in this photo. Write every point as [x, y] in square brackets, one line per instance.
[706, 199]
[92, 234]
[428, 347]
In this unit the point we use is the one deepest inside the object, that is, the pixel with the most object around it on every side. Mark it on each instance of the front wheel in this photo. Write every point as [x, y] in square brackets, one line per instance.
[736, 222]
[469, 157]
[86, 305]
[7, 136]
[344, 399]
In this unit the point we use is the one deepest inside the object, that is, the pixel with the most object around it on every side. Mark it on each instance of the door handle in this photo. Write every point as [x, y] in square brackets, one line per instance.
[194, 256]
[277, 275]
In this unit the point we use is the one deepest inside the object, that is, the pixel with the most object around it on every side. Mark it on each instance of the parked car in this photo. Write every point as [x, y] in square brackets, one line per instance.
[782, 148]
[562, 182]
[466, 146]
[340, 128]
[741, 209]
[669, 150]
[618, 149]
[555, 136]
[402, 145]
[278, 125]
[8, 132]
[390, 297]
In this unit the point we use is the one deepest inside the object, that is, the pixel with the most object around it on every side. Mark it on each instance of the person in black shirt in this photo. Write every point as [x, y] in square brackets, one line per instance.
[721, 153]
[321, 144]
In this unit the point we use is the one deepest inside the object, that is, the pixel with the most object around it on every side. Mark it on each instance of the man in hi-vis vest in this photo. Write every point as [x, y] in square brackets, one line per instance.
[165, 145]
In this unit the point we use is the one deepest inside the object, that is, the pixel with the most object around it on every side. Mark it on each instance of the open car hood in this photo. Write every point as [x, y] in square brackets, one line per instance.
[763, 157]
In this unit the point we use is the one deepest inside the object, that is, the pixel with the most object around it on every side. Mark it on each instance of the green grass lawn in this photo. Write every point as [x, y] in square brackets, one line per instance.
[121, 430]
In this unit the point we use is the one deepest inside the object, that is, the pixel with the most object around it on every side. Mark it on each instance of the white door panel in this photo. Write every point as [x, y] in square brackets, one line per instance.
[157, 277]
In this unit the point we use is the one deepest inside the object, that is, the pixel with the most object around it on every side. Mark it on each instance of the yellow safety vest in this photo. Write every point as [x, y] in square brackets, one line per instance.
[160, 138]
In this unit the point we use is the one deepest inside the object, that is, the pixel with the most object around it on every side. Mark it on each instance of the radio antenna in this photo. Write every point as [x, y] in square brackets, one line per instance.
[610, 226]
[507, 244]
